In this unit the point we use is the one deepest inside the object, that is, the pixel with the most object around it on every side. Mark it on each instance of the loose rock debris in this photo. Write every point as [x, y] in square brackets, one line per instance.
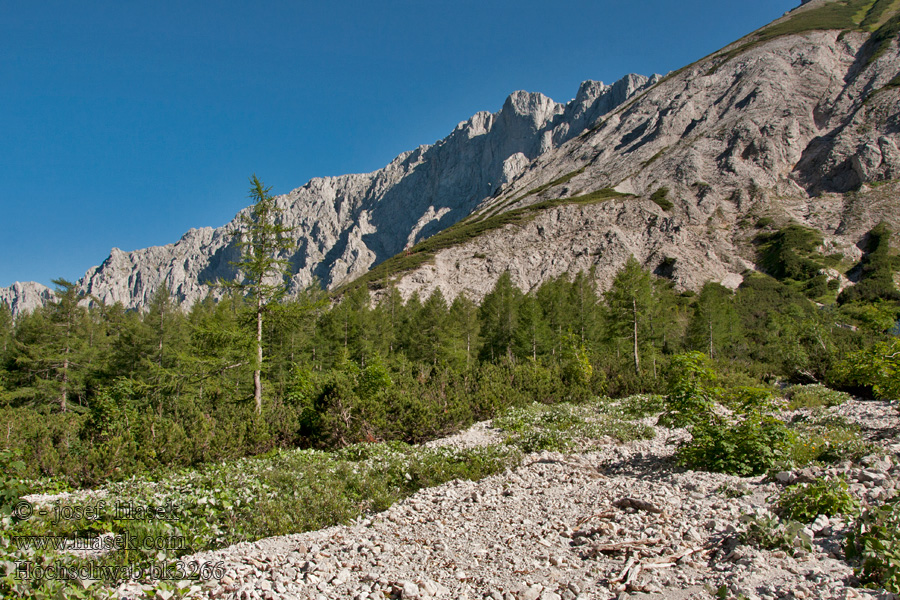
[618, 522]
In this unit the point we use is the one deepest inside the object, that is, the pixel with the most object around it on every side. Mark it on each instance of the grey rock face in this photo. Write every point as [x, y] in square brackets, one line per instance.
[345, 225]
[800, 128]
[784, 130]
[23, 297]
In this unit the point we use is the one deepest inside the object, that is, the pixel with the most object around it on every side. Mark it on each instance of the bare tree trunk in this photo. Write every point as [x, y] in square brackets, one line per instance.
[65, 383]
[637, 356]
[257, 374]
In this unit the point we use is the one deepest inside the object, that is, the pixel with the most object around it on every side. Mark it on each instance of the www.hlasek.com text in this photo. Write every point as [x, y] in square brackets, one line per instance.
[103, 543]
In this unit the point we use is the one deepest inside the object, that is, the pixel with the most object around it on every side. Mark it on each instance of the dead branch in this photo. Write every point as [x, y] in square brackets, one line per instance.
[637, 504]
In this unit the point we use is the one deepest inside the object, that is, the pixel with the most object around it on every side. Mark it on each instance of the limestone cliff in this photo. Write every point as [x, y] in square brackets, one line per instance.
[800, 127]
[799, 121]
[344, 225]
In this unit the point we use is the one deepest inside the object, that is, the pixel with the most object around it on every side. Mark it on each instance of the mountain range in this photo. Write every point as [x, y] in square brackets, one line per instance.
[797, 122]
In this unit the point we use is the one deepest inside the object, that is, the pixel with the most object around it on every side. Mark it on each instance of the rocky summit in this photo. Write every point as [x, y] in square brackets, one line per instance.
[799, 122]
[345, 225]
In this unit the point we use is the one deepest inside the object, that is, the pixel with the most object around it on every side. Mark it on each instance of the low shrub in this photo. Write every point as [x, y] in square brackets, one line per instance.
[751, 446]
[691, 391]
[12, 486]
[769, 532]
[745, 399]
[814, 396]
[829, 439]
[806, 501]
[874, 544]
[563, 427]
[638, 406]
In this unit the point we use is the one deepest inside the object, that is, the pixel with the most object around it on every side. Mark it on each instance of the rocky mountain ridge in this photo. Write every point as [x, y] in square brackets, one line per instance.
[800, 128]
[797, 122]
[346, 224]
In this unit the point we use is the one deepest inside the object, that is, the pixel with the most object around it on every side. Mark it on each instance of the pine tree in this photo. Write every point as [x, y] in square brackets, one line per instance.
[386, 321]
[263, 241]
[585, 303]
[6, 343]
[533, 333]
[553, 297]
[433, 324]
[52, 342]
[463, 329]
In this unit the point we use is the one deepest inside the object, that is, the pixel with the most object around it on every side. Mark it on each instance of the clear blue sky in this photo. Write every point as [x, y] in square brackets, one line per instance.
[127, 123]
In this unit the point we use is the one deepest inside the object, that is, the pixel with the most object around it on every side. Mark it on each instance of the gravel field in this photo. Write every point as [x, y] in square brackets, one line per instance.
[618, 521]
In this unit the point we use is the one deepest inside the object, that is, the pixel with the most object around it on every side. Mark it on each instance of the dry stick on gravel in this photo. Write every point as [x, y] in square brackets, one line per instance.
[605, 514]
[637, 505]
[633, 567]
[668, 561]
[618, 547]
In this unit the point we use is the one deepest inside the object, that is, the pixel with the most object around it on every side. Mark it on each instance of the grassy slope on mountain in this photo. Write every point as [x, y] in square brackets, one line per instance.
[464, 231]
[878, 17]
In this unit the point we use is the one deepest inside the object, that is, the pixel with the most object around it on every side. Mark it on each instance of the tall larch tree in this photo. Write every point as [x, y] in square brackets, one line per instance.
[263, 241]
[629, 304]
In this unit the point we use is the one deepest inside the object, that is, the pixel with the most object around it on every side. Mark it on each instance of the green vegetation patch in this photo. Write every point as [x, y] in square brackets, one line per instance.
[876, 270]
[566, 427]
[660, 197]
[825, 439]
[873, 543]
[559, 181]
[856, 15]
[767, 531]
[814, 396]
[751, 446]
[791, 252]
[806, 501]
[285, 492]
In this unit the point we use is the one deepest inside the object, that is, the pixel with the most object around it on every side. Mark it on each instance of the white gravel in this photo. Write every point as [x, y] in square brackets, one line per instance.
[618, 522]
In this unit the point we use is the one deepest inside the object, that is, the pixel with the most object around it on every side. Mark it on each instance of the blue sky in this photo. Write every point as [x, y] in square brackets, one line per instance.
[124, 124]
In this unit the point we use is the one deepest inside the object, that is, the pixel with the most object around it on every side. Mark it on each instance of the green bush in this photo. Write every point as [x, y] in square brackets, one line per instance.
[745, 399]
[750, 447]
[691, 394]
[876, 367]
[806, 501]
[769, 532]
[874, 544]
[11, 486]
[814, 396]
